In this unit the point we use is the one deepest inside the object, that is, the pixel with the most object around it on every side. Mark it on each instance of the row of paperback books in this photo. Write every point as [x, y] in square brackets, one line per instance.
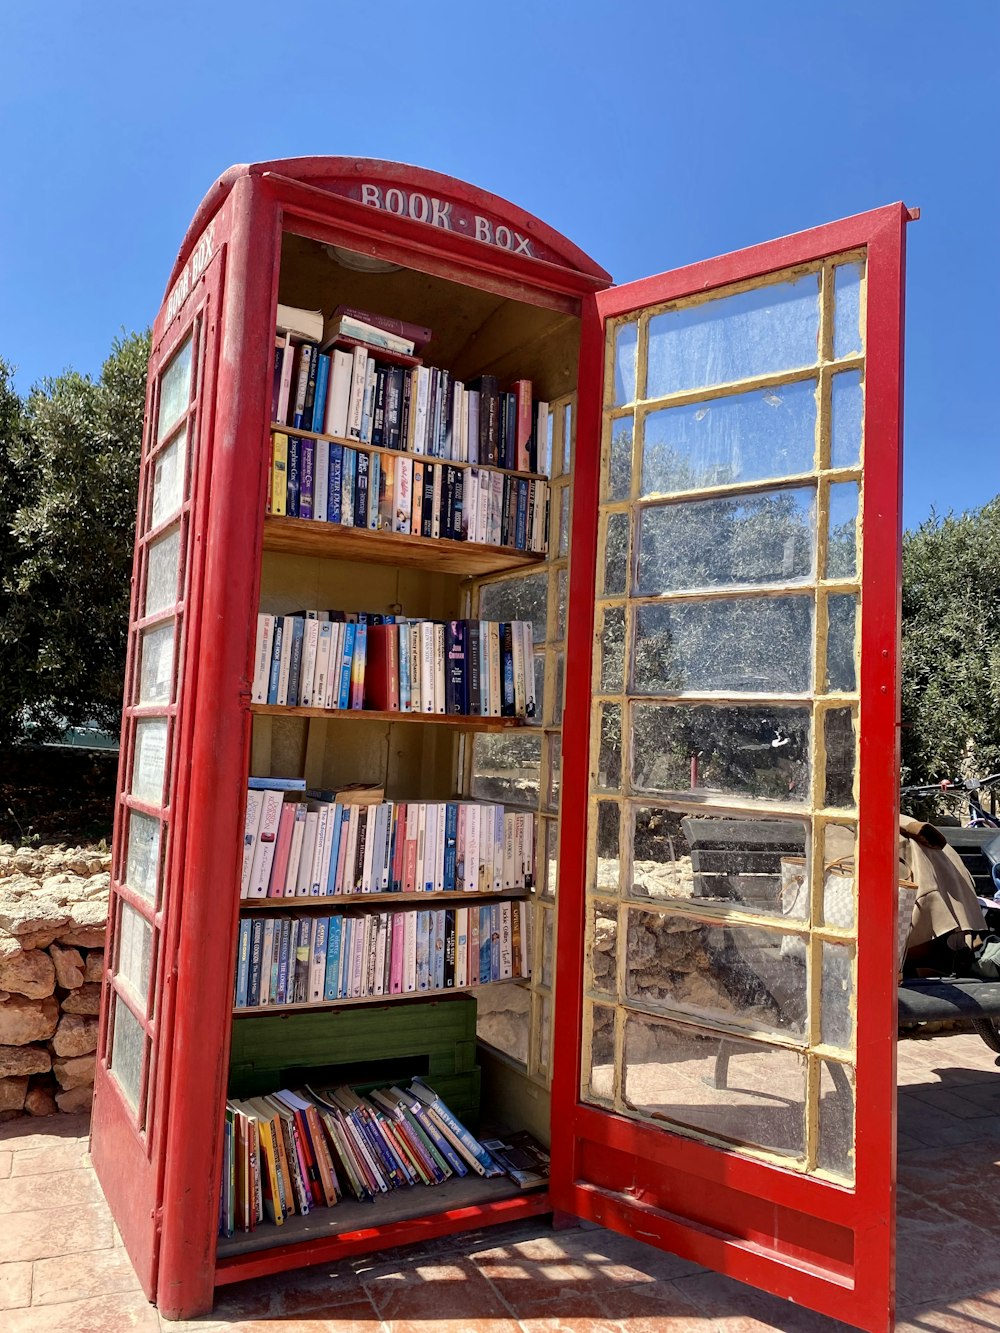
[334, 483]
[358, 394]
[291, 1152]
[321, 847]
[329, 659]
[352, 956]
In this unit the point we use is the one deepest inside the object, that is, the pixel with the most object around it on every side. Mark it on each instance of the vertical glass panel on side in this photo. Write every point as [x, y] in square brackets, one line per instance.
[726, 974]
[755, 750]
[506, 767]
[545, 453]
[149, 763]
[841, 746]
[607, 855]
[175, 389]
[503, 1018]
[548, 967]
[726, 441]
[726, 860]
[142, 859]
[565, 516]
[517, 599]
[612, 650]
[745, 1092]
[842, 547]
[609, 758]
[619, 482]
[126, 1052]
[545, 1036]
[756, 332]
[135, 951]
[838, 876]
[752, 645]
[553, 745]
[846, 416]
[836, 1119]
[836, 1019]
[599, 1061]
[847, 336]
[163, 559]
[626, 342]
[567, 458]
[562, 592]
[602, 949]
[541, 699]
[168, 480]
[748, 539]
[615, 554]
[156, 664]
[841, 644]
[551, 858]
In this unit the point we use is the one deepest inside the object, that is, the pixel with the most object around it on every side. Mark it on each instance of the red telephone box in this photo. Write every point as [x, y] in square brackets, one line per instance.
[708, 1034]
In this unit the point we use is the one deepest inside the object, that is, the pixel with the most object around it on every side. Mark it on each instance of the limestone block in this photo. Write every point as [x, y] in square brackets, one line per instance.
[76, 1035]
[24, 911]
[85, 1000]
[74, 1072]
[26, 971]
[17, 1061]
[74, 1100]
[69, 966]
[23, 1020]
[93, 968]
[12, 1093]
[39, 1101]
[86, 937]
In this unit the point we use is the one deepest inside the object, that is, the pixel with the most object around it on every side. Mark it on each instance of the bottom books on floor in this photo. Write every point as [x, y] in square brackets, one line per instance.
[290, 1152]
[353, 955]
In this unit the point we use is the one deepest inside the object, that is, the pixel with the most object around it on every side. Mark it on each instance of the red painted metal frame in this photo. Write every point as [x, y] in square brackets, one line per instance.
[816, 1243]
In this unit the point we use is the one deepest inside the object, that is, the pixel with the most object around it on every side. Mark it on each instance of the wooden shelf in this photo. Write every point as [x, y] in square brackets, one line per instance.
[350, 1217]
[306, 536]
[456, 721]
[386, 354]
[383, 901]
[276, 1010]
[277, 429]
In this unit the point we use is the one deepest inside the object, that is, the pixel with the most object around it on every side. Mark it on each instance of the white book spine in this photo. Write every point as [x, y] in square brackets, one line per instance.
[262, 658]
[420, 429]
[339, 399]
[368, 405]
[285, 384]
[483, 508]
[321, 479]
[332, 690]
[530, 697]
[263, 856]
[439, 696]
[371, 837]
[473, 814]
[472, 425]
[403, 500]
[303, 879]
[410, 952]
[427, 673]
[323, 650]
[508, 852]
[517, 649]
[461, 947]
[506, 949]
[484, 879]
[470, 504]
[317, 880]
[430, 843]
[440, 837]
[529, 851]
[286, 660]
[310, 642]
[317, 963]
[295, 850]
[380, 943]
[356, 403]
[251, 828]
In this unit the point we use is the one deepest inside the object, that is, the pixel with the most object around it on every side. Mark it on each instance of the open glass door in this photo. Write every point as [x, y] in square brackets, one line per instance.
[724, 1082]
[133, 1068]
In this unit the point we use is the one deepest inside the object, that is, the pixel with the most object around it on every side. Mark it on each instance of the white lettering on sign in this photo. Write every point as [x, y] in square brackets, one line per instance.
[444, 213]
[200, 258]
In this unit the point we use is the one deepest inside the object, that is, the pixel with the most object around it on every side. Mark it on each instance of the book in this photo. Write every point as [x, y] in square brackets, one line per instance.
[298, 323]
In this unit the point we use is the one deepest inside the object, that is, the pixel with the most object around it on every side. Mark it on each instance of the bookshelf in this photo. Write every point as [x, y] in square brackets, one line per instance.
[451, 722]
[435, 992]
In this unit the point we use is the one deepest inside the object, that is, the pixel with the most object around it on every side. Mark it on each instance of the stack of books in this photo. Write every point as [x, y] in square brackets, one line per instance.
[338, 660]
[291, 1152]
[306, 960]
[322, 847]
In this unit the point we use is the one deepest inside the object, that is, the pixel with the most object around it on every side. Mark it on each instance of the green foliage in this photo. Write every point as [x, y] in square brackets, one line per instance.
[951, 646]
[73, 471]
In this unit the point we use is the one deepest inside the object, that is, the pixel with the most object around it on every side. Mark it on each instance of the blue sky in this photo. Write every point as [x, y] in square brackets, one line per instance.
[652, 134]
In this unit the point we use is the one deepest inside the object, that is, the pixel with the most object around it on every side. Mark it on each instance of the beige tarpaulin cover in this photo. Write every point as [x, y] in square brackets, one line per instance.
[946, 897]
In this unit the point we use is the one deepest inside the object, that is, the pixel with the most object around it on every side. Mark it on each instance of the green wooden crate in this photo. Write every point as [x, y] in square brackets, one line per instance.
[370, 1045]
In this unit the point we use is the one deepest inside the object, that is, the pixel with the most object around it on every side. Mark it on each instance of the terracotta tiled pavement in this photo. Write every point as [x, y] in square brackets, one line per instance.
[62, 1266]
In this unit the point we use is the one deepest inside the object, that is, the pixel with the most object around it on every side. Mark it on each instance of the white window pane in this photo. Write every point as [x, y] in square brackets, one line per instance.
[175, 390]
[626, 341]
[135, 950]
[142, 862]
[847, 334]
[847, 410]
[162, 568]
[150, 761]
[156, 664]
[126, 1052]
[168, 480]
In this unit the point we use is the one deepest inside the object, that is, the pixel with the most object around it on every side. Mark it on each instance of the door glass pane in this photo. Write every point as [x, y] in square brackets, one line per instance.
[760, 751]
[745, 437]
[725, 860]
[135, 951]
[732, 338]
[603, 949]
[620, 462]
[156, 664]
[758, 539]
[607, 871]
[847, 337]
[841, 745]
[565, 517]
[524, 598]
[842, 555]
[551, 858]
[126, 1052]
[150, 760]
[612, 649]
[548, 946]
[760, 645]
[626, 341]
[505, 767]
[846, 411]
[609, 758]
[142, 862]
[837, 999]
[841, 644]
[503, 1017]
[175, 389]
[600, 1060]
[838, 876]
[616, 554]
[733, 1089]
[162, 567]
[168, 480]
[554, 749]
[836, 1119]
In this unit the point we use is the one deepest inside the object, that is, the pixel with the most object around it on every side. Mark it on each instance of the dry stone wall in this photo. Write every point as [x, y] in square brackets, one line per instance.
[53, 914]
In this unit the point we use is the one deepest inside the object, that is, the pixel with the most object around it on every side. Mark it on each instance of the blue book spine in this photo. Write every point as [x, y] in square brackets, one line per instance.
[295, 662]
[272, 986]
[344, 696]
[322, 385]
[485, 946]
[321, 932]
[243, 965]
[521, 521]
[281, 990]
[437, 981]
[470, 1143]
[350, 463]
[450, 845]
[336, 814]
[344, 976]
[274, 677]
[374, 482]
[334, 497]
[253, 980]
[331, 986]
[361, 481]
[361, 654]
[293, 476]
[404, 668]
[307, 464]
[494, 942]
[276, 784]
[443, 1146]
